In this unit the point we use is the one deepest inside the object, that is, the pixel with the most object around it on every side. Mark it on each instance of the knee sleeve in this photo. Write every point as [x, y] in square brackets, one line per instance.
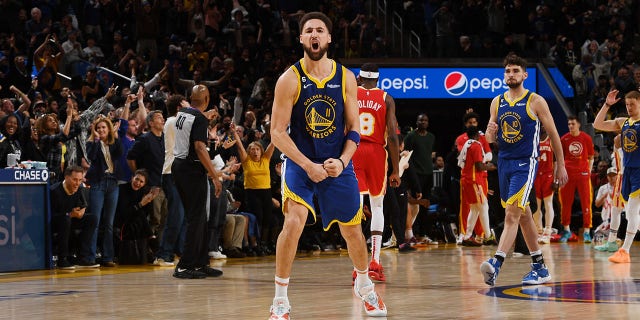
[377, 213]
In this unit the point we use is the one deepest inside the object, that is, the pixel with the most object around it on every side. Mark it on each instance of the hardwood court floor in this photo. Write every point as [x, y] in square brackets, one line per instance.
[437, 282]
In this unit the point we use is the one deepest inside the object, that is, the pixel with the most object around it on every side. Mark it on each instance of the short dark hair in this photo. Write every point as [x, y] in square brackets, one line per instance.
[372, 67]
[173, 102]
[470, 115]
[151, 114]
[573, 117]
[514, 59]
[71, 169]
[316, 15]
[142, 172]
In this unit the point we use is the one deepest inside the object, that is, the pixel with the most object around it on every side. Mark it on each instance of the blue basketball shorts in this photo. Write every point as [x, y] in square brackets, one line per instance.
[338, 198]
[517, 177]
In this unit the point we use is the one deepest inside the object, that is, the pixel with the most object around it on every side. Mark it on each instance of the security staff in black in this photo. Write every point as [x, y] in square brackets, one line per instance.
[190, 169]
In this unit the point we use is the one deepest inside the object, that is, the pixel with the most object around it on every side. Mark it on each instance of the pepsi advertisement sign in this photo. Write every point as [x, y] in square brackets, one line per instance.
[444, 83]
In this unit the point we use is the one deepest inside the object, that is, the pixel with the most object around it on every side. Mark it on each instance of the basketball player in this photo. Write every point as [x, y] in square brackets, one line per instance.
[544, 189]
[315, 124]
[578, 150]
[631, 161]
[471, 119]
[515, 125]
[377, 127]
[473, 184]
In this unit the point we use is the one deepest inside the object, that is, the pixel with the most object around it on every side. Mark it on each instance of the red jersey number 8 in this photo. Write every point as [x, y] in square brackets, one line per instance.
[367, 123]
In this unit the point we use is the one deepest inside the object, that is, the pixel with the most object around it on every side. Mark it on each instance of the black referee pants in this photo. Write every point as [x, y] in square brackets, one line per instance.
[191, 181]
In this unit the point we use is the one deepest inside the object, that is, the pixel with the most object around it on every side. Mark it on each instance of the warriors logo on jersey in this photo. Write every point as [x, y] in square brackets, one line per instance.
[511, 128]
[320, 115]
[629, 140]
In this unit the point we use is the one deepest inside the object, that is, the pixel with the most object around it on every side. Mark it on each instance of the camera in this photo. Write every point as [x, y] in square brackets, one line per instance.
[226, 126]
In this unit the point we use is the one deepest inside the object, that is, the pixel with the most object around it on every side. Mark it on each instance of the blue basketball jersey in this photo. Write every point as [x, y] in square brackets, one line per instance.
[317, 119]
[518, 128]
[630, 132]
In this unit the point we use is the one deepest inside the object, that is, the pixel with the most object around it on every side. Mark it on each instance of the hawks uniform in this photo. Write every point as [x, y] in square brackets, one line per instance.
[577, 152]
[482, 179]
[317, 128]
[471, 180]
[370, 160]
[544, 178]
[518, 137]
[616, 162]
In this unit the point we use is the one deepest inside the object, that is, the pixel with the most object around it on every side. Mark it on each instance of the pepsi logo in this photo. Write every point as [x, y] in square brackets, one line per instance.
[455, 83]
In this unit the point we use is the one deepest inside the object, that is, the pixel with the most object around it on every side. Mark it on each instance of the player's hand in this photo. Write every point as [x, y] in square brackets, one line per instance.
[333, 167]
[612, 97]
[317, 172]
[492, 130]
[394, 180]
[561, 176]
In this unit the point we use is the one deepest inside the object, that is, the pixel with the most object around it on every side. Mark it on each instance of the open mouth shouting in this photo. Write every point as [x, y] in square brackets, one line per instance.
[315, 51]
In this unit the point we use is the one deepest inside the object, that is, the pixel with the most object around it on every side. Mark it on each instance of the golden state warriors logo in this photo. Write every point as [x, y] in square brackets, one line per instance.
[621, 291]
[629, 140]
[511, 127]
[320, 115]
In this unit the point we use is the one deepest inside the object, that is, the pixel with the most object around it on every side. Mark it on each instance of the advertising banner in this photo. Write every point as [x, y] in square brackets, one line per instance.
[23, 219]
[444, 83]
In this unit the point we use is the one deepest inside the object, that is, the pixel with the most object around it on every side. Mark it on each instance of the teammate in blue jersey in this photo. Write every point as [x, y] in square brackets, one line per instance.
[315, 124]
[630, 128]
[515, 125]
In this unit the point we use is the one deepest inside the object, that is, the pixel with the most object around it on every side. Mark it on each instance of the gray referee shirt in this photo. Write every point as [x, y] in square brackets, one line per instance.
[191, 126]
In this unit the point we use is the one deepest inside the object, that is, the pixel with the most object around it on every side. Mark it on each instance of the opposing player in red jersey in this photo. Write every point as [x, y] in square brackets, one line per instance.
[377, 127]
[544, 188]
[473, 185]
[577, 147]
[471, 119]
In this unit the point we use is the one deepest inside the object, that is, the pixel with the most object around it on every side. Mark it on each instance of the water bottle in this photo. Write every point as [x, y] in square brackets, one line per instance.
[54, 262]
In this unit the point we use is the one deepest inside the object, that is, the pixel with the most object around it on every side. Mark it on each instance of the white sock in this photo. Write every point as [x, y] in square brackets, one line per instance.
[362, 279]
[408, 234]
[281, 287]
[377, 225]
[375, 247]
[615, 223]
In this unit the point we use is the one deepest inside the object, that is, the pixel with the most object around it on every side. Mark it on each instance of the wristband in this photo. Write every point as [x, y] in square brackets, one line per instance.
[342, 163]
[354, 136]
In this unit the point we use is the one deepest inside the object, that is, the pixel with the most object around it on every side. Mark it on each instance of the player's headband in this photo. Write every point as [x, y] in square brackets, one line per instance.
[369, 74]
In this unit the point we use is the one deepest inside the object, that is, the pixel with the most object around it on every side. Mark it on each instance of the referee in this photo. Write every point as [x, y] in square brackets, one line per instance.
[190, 169]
